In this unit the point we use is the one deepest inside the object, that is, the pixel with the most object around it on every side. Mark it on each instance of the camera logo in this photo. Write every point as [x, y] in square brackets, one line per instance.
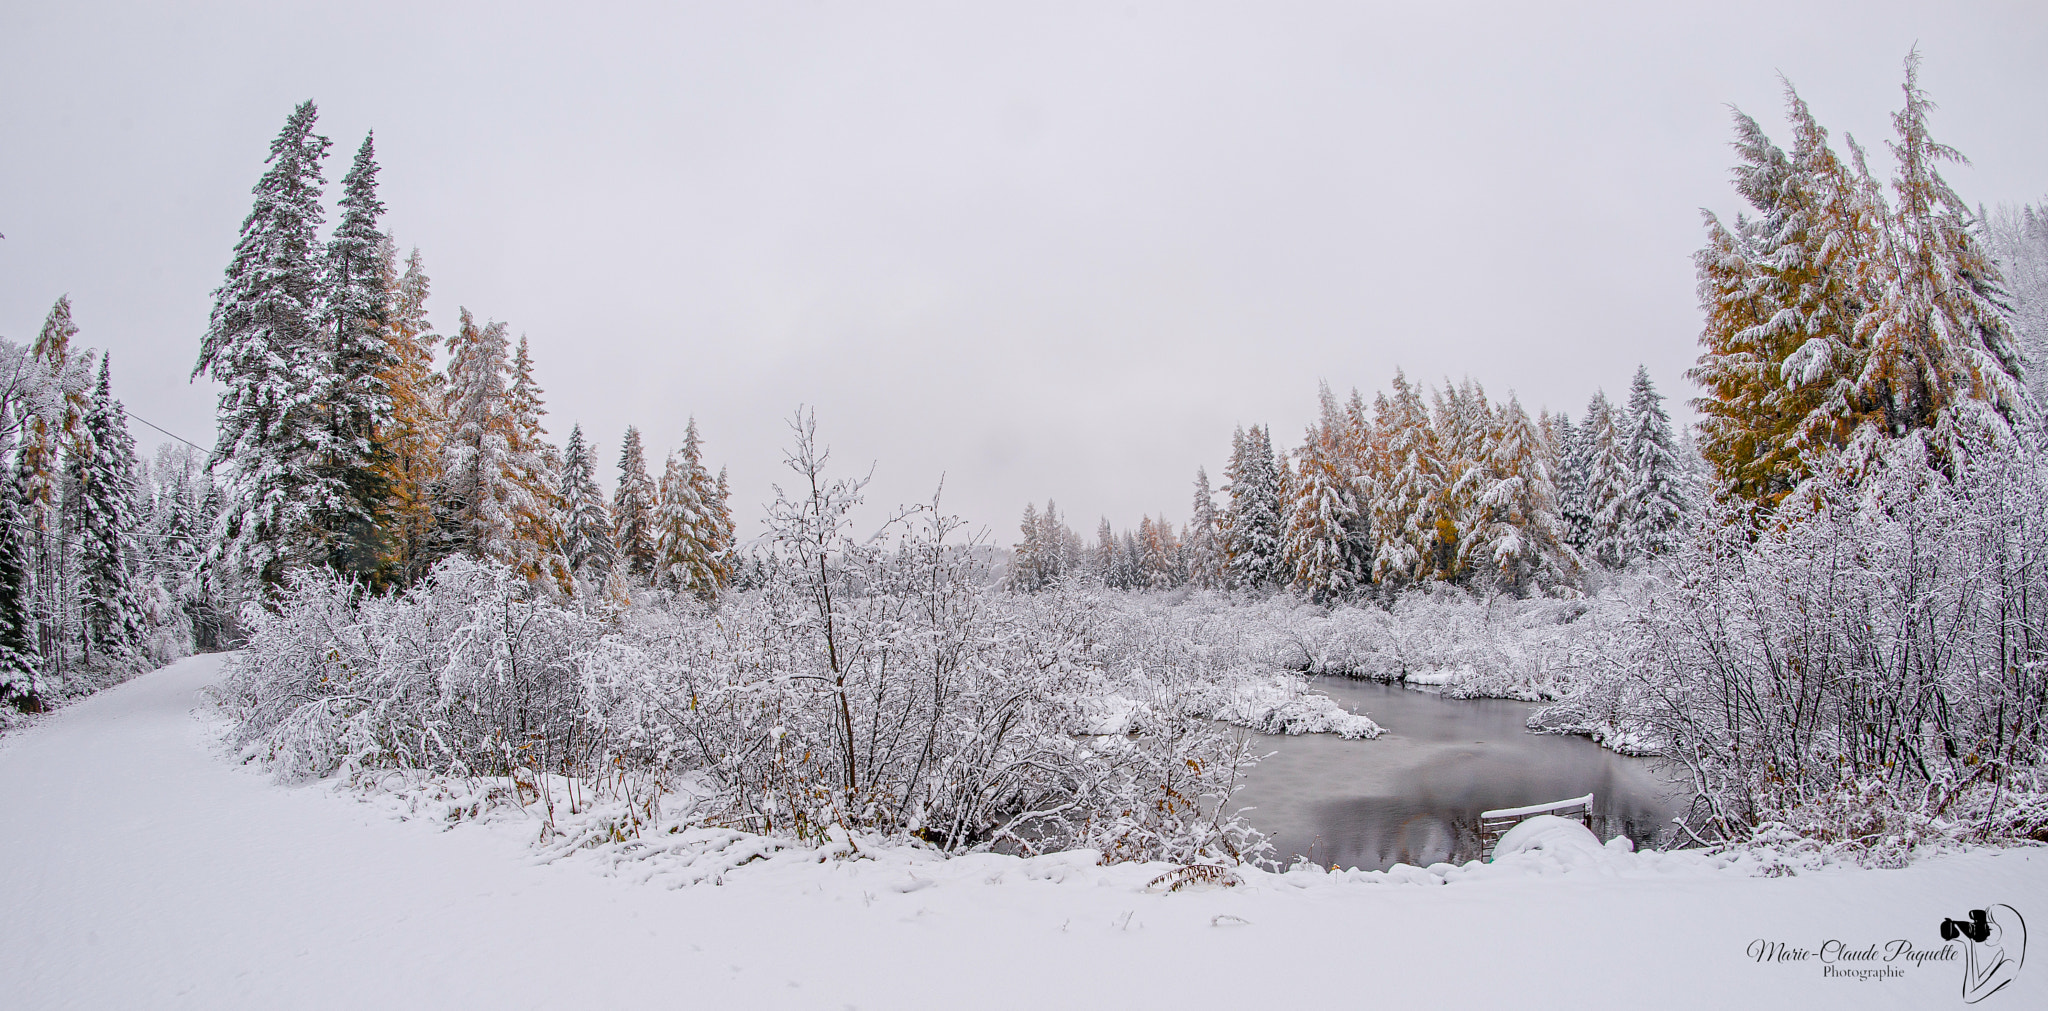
[1994, 948]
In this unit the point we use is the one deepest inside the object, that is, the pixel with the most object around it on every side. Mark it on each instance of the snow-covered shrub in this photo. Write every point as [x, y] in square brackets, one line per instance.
[1869, 674]
[877, 686]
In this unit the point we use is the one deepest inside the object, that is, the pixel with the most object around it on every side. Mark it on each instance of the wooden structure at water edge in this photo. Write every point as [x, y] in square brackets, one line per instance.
[1494, 824]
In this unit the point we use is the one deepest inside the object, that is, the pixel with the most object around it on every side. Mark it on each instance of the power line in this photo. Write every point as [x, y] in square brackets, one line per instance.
[167, 431]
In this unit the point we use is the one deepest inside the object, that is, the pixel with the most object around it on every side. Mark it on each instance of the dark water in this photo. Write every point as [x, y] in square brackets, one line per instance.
[1413, 795]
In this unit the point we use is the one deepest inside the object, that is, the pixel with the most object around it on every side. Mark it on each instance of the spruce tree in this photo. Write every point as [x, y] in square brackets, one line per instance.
[1027, 557]
[1464, 423]
[262, 343]
[1656, 505]
[724, 533]
[1325, 525]
[1569, 449]
[536, 468]
[633, 503]
[351, 387]
[1207, 563]
[482, 476]
[1408, 485]
[20, 665]
[1609, 475]
[687, 533]
[104, 479]
[1515, 529]
[586, 523]
[1253, 528]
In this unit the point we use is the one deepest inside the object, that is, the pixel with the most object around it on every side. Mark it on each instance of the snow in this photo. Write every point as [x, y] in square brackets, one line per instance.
[1549, 834]
[145, 868]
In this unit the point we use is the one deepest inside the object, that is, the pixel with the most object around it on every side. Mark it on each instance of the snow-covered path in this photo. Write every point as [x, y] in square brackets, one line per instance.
[143, 870]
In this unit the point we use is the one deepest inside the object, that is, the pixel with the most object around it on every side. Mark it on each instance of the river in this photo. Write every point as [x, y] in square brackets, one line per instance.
[1413, 795]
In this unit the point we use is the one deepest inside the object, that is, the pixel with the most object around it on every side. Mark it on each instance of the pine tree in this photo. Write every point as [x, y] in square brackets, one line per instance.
[486, 496]
[586, 524]
[1325, 526]
[1515, 528]
[20, 664]
[1207, 562]
[1027, 557]
[104, 479]
[1655, 505]
[351, 388]
[418, 428]
[1569, 448]
[686, 533]
[675, 528]
[537, 471]
[2018, 239]
[1464, 423]
[1252, 524]
[1608, 478]
[261, 343]
[724, 533]
[1159, 555]
[1408, 483]
[633, 503]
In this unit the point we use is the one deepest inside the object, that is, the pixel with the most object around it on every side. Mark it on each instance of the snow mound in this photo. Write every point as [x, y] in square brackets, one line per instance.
[1547, 833]
[1284, 704]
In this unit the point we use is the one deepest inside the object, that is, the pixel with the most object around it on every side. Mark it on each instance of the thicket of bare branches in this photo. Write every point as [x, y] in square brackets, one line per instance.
[869, 685]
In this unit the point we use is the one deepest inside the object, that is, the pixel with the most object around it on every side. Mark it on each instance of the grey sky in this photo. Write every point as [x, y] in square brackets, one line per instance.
[1053, 251]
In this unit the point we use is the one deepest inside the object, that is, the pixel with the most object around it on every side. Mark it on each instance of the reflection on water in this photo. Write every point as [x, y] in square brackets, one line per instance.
[1413, 795]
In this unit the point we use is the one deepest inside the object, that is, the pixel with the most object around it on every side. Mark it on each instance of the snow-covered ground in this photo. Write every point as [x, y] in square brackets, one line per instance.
[144, 869]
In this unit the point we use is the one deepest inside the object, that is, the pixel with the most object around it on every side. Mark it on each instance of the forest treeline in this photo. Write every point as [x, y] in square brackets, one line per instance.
[1454, 490]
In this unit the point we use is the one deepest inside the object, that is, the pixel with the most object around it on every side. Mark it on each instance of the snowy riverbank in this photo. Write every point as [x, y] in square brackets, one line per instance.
[149, 870]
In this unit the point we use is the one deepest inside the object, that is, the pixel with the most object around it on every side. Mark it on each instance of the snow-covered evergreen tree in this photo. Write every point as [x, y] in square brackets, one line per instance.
[1407, 486]
[1609, 476]
[261, 343]
[1654, 509]
[20, 664]
[537, 470]
[1027, 556]
[586, 524]
[2018, 239]
[1253, 524]
[1574, 462]
[1202, 544]
[1159, 555]
[633, 503]
[1326, 529]
[486, 495]
[1464, 422]
[355, 363]
[104, 482]
[687, 532]
[1515, 529]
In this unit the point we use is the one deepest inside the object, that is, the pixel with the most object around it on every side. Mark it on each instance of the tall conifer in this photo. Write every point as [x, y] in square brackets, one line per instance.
[261, 345]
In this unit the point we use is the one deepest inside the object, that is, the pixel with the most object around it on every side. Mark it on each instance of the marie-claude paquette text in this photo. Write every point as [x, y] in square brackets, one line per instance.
[1840, 959]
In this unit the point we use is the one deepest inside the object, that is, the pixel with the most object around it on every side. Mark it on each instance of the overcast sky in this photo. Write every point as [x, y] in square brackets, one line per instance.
[1049, 251]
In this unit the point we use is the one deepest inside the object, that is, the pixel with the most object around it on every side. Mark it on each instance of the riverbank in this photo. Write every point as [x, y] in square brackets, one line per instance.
[146, 869]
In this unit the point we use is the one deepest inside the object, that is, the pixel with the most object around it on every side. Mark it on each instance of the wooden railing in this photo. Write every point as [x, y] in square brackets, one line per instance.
[1494, 824]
